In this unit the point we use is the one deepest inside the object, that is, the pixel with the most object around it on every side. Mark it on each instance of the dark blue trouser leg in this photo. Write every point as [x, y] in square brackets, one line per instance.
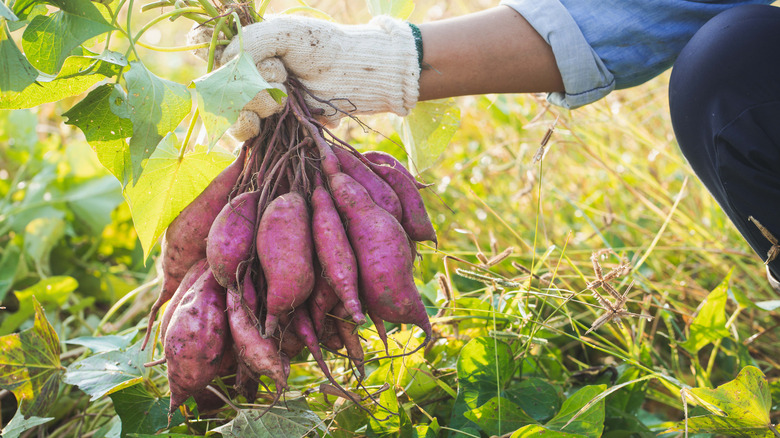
[724, 96]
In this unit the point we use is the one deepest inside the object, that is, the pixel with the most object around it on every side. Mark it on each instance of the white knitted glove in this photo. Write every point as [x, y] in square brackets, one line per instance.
[358, 69]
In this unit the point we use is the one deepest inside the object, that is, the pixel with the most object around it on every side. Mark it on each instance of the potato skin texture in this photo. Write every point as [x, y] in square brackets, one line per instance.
[285, 248]
[230, 237]
[195, 272]
[384, 259]
[196, 339]
[379, 191]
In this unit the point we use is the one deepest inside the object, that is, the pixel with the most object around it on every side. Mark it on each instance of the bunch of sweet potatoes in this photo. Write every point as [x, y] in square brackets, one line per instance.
[289, 248]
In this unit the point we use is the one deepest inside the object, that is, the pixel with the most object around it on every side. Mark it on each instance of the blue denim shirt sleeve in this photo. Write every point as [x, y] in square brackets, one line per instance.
[602, 45]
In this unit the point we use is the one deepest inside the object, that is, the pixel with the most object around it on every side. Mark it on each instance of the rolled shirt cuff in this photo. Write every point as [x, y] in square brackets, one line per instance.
[585, 77]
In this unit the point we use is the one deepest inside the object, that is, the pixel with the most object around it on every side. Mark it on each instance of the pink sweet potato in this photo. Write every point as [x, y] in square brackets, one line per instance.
[196, 339]
[304, 329]
[382, 250]
[285, 248]
[195, 272]
[329, 337]
[415, 219]
[382, 194]
[259, 354]
[335, 254]
[383, 158]
[184, 242]
[231, 236]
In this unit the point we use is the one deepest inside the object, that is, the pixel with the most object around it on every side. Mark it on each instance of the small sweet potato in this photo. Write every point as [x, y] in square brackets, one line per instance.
[321, 301]
[347, 331]
[231, 237]
[383, 158]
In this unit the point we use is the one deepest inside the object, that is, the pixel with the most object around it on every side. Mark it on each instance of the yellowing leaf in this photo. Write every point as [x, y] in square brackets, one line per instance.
[30, 365]
[427, 130]
[400, 9]
[169, 184]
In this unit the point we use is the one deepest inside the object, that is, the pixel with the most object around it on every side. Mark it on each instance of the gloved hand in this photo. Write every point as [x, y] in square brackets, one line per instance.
[351, 69]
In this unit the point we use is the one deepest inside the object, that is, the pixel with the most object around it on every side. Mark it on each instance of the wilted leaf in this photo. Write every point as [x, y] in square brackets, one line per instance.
[105, 131]
[77, 75]
[169, 184]
[19, 424]
[142, 412]
[30, 365]
[499, 416]
[709, 325]
[400, 9]
[48, 40]
[16, 73]
[744, 404]
[427, 130]
[107, 372]
[296, 419]
[156, 106]
[102, 344]
[52, 291]
[223, 92]
[485, 365]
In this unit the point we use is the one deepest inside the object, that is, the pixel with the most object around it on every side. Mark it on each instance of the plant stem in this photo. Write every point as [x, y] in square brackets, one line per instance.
[193, 121]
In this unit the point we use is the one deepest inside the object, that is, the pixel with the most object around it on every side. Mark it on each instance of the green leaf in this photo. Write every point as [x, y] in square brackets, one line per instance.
[499, 416]
[26, 17]
[590, 422]
[8, 266]
[102, 344]
[430, 430]
[19, 424]
[105, 131]
[41, 235]
[400, 9]
[539, 399]
[142, 412]
[534, 431]
[709, 325]
[223, 92]
[7, 13]
[51, 291]
[107, 372]
[30, 365]
[484, 367]
[410, 372]
[169, 184]
[48, 40]
[77, 75]
[93, 200]
[156, 106]
[427, 130]
[16, 73]
[741, 407]
[294, 419]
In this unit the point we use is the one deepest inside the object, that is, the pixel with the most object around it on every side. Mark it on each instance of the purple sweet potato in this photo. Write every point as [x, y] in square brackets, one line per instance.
[304, 329]
[184, 242]
[415, 219]
[329, 337]
[260, 355]
[285, 248]
[335, 255]
[383, 158]
[321, 301]
[382, 194]
[382, 250]
[349, 337]
[195, 272]
[196, 339]
[231, 236]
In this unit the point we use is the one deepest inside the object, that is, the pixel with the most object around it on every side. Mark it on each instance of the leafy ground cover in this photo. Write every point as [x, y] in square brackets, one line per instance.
[541, 249]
